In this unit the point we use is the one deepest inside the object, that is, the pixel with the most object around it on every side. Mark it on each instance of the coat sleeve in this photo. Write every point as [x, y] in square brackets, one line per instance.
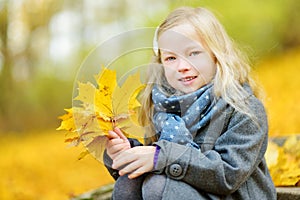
[236, 154]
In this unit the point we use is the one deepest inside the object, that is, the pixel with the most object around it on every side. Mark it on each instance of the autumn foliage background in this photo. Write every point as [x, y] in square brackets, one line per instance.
[43, 43]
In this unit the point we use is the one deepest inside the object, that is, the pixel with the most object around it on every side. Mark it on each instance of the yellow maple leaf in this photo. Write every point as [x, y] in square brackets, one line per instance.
[102, 108]
[284, 162]
[86, 93]
[124, 97]
[107, 82]
[272, 154]
[67, 122]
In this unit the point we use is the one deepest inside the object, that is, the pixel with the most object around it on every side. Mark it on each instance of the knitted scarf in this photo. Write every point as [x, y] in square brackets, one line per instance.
[178, 118]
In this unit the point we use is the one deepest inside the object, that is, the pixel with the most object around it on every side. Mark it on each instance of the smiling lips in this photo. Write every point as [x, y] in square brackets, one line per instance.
[188, 78]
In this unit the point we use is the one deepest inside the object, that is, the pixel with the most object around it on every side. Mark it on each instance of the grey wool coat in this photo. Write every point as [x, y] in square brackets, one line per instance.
[230, 164]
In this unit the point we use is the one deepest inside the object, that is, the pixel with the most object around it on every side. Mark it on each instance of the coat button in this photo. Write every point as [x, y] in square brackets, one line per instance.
[175, 170]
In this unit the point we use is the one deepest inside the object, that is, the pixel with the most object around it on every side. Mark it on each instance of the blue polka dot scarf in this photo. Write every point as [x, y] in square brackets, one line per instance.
[178, 118]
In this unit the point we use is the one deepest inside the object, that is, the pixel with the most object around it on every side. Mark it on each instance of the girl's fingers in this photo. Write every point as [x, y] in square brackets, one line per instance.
[135, 161]
[113, 135]
[124, 158]
[116, 141]
[133, 169]
[117, 147]
[129, 168]
[114, 150]
[136, 173]
[119, 133]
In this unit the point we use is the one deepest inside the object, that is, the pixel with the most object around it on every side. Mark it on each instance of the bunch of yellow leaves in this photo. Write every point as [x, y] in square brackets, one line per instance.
[284, 162]
[101, 109]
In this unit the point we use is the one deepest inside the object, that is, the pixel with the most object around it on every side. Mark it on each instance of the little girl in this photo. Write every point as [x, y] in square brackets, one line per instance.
[207, 132]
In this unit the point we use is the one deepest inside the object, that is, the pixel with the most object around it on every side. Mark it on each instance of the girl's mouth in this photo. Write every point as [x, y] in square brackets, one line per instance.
[188, 78]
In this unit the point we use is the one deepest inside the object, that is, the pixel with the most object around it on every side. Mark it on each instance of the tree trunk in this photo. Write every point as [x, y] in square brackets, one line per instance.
[6, 81]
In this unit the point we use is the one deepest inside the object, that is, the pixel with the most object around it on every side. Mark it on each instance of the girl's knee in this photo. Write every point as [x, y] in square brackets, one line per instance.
[126, 188]
[153, 187]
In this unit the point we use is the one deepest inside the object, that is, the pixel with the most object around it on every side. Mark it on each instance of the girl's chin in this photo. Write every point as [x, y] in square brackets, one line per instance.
[187, 90]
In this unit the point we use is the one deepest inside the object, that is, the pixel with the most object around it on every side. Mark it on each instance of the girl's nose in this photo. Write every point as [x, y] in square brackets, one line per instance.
[183, 65]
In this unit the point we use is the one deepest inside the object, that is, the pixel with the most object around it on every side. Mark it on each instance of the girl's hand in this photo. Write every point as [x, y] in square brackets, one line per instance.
[117, 143]
[135, 161]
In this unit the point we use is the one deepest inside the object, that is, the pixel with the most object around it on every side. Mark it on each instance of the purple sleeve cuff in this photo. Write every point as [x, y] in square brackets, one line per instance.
[157, 149]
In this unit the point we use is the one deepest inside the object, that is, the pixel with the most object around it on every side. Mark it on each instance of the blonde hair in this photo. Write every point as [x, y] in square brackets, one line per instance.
[232, 65]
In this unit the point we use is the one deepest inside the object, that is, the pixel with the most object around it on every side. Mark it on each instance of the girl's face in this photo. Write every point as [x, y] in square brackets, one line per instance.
[187, 64]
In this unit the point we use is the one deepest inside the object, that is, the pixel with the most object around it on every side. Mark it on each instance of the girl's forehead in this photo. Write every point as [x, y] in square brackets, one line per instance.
[184, 29]
[179, 38]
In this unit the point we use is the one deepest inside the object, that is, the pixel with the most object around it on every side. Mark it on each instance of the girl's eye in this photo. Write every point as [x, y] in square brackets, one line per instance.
[195, 53]
[170, 58]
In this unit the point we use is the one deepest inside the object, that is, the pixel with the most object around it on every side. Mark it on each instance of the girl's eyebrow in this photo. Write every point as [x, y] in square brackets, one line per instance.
[165, 51]
[188, 48]
[194, 45]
